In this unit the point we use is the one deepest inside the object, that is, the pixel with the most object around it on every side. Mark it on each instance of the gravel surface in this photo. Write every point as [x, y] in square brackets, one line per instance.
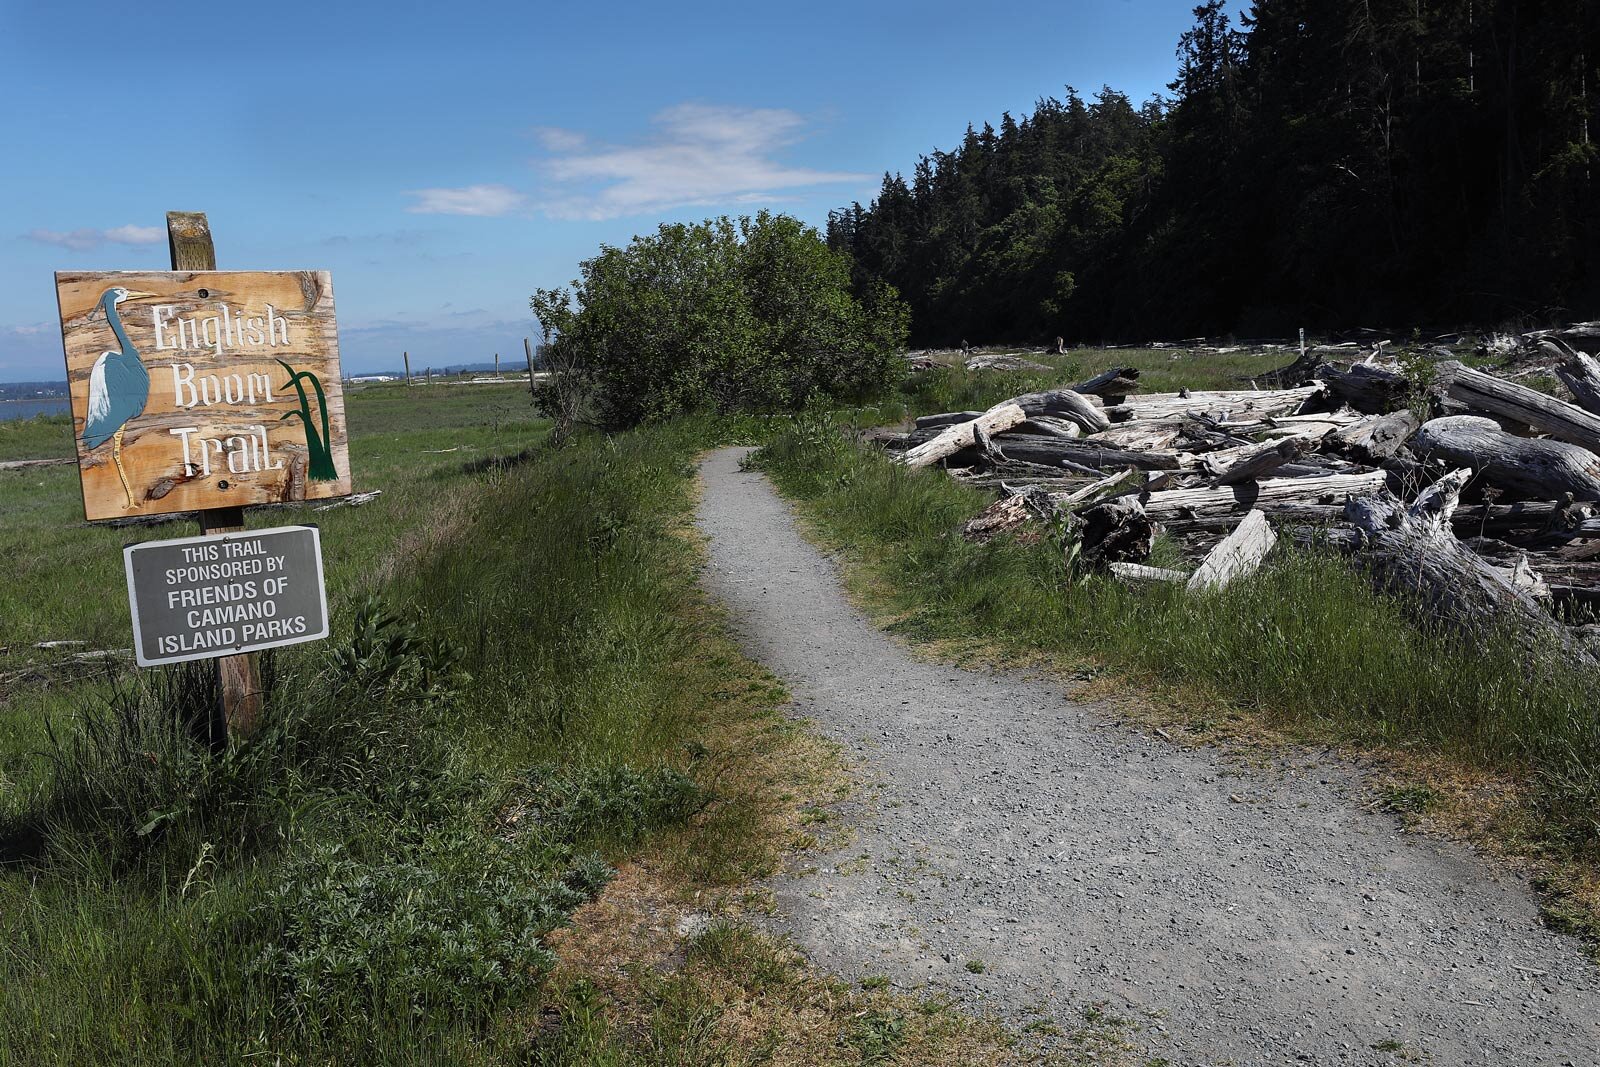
[1264, 916]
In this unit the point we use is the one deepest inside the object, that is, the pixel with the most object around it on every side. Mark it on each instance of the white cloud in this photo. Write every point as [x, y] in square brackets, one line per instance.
[82, 240]
[482, 200]
[700, 154]
[136, 235]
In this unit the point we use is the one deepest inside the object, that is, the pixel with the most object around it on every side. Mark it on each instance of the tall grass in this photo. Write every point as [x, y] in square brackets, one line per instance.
[1306, 641]
[370, 878]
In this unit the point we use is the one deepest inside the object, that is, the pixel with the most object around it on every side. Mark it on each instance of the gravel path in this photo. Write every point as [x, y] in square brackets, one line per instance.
[1249, 917]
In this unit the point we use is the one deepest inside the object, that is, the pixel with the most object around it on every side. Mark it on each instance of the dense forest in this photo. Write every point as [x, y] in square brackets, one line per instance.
[1322, 163]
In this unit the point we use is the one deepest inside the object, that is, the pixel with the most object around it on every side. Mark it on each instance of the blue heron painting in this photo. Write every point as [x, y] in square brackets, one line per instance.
[119, 388]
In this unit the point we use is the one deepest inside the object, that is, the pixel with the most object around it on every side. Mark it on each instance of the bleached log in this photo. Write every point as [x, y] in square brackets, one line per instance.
[1089, 493]
[1535, 468]
[1049, 426]
[1066, 404]
[1009, 513]
[1566, 422]
[1237, 402]
[955, 438]
[1005, 362]
[1138, 572]
[1369, 389]
[1238, 499]
[1117, 530]
[354, 500]
[1142, 434]
[1237, 555]
[945, 418]
[1411, 551]
[1116, 382]
[1375, 438]
[1251, 463]
[24, 464]
[1581, 375]
[1088, 453]
[985, 446]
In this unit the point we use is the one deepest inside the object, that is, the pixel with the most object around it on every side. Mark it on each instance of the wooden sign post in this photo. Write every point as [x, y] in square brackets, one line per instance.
[238, 677]
[204, 391]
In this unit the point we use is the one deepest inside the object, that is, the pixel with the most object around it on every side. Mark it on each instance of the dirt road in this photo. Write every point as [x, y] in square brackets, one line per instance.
[1244, 917]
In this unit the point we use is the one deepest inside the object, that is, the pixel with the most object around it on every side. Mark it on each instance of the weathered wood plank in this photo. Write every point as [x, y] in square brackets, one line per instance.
[1237, 556]
[1138, 572]
[960, 436]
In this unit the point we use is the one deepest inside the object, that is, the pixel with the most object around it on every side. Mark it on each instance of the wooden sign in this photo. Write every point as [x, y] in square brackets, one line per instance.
[225, 594]
[203, 389]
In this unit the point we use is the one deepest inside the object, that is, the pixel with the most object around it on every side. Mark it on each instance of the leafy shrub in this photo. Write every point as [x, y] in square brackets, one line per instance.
[622, 803]
[454, 927]
[722, 316]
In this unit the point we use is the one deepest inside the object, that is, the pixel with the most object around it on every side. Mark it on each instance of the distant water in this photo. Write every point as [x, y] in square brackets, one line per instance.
[27, 409]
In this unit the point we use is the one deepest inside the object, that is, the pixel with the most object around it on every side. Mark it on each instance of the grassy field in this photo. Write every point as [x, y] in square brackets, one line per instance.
[1304, 651]
[524, 691]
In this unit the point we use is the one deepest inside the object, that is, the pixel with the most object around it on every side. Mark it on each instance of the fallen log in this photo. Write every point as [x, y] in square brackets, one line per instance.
[1536, 468]
[955, 438]
[1142, 434]
[1116, 383]
[1174, 504]
[1009, 513]
[1138, 572]
[1049, 426]
[1085, 453]
[25, 464]
[1117, 531]
[1237, 556]
[1301, 371]
[1279, 514]
[1004, 362]
[1251, 463]
[1066, 404]
[1581, 375]
[945, 418]
[1237, 402]
[1369, 389]
[1375, 438]
[1098, 489]
[1566, 422]
[1584, 336]
[1411, 551]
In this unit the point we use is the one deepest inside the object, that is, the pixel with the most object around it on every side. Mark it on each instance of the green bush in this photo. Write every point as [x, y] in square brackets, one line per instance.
[721, 316]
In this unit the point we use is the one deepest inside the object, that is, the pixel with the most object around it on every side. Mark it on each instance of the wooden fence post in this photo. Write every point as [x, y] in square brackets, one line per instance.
[407, 357]
[497, 364]
[238, 677]
[527, 350]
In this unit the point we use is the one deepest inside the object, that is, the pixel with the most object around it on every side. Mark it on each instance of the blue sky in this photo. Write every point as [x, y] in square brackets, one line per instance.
[443, 160]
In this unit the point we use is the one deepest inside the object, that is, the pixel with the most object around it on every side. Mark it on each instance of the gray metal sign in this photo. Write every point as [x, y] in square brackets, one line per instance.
[222, 594]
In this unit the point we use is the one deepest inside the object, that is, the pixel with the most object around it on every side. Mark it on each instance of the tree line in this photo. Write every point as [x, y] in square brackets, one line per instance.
[1321, 163]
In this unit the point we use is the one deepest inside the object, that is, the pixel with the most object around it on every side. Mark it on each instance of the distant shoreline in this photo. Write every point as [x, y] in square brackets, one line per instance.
[27, 409]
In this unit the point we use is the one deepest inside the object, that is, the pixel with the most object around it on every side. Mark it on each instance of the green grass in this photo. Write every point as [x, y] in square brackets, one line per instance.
[41, 437]
[1306, 642]
[523, 683]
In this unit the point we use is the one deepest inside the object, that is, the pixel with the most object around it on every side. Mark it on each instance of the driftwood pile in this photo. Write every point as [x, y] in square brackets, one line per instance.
[1476, 497]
